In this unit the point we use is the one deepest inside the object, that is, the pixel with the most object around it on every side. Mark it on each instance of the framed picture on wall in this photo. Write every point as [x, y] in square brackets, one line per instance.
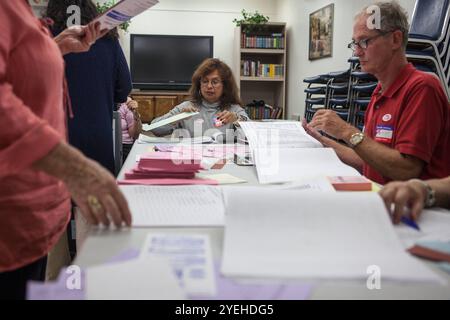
[321, 33]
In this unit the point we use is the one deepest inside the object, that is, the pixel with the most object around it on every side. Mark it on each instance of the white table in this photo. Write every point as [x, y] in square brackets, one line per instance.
[101, 245]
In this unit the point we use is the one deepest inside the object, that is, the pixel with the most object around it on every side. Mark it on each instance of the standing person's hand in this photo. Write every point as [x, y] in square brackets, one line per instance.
[92, 187]
[95, 191]
[79, 38]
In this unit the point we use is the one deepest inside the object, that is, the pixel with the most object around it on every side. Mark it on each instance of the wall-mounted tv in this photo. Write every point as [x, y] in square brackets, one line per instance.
[167, 62]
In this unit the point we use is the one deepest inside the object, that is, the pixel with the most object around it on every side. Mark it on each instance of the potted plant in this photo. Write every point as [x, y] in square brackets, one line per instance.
[251, 21]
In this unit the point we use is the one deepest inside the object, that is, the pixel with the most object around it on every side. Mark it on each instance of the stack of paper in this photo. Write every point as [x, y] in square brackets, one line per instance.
[276, 165]
[279, 134]
[179, 206]
[143, 139]
[353, 183]
[219, 151]
[165, 168]
[307, 235]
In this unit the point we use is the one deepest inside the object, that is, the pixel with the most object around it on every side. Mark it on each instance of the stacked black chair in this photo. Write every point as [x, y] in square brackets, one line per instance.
[346, 92]
[316, 95]
[361, 86]
[428, 44]
[338, 99]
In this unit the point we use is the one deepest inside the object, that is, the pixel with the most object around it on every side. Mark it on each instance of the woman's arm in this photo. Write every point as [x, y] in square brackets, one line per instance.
[169, 128]
[92, 187]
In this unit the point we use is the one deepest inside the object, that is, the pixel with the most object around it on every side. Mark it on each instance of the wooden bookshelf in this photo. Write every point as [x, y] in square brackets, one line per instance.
[255, 54]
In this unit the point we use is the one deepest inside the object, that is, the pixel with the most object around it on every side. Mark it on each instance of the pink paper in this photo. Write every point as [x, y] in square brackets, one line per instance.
[168, 182]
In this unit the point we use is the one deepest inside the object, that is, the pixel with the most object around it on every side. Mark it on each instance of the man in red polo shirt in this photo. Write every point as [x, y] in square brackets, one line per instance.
[407, 125]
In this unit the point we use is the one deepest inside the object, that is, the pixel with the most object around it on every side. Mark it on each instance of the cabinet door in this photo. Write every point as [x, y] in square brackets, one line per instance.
[146, 107]
[164, 104]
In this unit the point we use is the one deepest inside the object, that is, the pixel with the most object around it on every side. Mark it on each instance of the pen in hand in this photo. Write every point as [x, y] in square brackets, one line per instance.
[409, 222]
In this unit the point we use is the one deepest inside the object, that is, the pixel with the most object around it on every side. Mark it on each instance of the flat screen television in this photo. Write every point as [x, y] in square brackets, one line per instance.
[167, 62]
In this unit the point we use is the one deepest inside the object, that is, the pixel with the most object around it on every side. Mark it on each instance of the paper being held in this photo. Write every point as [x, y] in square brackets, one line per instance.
[175, 118]
[122, 12]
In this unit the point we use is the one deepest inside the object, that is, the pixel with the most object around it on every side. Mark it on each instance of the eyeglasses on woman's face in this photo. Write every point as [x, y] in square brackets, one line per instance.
[214, 83]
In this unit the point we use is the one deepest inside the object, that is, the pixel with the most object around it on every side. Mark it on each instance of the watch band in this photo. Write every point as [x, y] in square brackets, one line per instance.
[430, 198]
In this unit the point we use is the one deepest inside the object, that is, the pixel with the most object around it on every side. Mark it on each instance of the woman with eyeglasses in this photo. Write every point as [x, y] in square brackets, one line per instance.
[214, 95]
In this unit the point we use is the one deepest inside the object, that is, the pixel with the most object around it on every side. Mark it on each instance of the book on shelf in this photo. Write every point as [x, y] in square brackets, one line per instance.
[257, 111]
[251, 68]
[262, 41]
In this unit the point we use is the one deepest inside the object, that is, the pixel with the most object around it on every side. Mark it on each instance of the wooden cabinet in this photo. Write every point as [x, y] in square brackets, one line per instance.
[153, 104]
[163, 104]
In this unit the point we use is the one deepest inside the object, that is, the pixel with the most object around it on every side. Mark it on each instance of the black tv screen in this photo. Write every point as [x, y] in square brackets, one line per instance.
[167, 61]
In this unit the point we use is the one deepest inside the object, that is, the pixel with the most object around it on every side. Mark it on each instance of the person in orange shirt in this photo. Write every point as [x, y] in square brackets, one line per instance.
[39, 171]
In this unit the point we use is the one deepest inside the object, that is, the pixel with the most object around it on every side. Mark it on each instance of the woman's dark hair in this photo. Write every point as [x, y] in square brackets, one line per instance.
[230, 90]
[57, 11]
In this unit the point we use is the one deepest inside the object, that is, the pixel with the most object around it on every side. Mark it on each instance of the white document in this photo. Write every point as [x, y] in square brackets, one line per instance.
[123, 11]
[175, 118]
[434, 225]
[291, 234]
[138, 279]
[321, 184]
[190, 257]
[277, 165]
[222, 178]
[153, 206]
[278, 134]
[143, 139]
[196, 140]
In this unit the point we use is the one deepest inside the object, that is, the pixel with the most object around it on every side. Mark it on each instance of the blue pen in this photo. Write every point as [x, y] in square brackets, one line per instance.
[409, 222]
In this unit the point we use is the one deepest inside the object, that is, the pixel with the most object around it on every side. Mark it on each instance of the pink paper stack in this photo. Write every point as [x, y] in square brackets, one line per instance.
[165, 168]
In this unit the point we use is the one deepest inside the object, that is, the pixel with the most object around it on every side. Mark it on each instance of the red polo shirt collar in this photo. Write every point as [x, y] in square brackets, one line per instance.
[401, 79]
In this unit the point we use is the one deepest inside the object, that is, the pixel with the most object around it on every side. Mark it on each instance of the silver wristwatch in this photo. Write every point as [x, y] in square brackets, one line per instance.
[430, 198]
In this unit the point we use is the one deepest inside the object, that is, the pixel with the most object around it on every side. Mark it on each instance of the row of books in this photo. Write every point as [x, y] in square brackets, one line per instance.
[266, 112]
[273, 41]
[257, 69]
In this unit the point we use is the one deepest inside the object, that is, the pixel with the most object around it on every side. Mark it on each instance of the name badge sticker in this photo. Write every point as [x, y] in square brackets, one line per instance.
[384, 133]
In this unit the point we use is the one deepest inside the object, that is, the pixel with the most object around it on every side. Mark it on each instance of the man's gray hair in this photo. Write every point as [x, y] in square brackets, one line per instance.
[392, 17]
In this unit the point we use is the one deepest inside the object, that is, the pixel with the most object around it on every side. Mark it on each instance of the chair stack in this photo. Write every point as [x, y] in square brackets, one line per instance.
[316, 95]
[338, 99]
[345, 92]
[361, 87]
[429, 36]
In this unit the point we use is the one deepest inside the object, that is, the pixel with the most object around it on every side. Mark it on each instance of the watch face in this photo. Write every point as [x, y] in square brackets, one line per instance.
[355, 139]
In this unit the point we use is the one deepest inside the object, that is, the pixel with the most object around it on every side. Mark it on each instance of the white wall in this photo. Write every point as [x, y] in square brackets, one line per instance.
[296, 14]
[198, 17]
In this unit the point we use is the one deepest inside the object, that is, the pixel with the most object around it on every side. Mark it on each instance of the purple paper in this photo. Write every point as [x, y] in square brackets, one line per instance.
[58, 290]
[229, 289]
